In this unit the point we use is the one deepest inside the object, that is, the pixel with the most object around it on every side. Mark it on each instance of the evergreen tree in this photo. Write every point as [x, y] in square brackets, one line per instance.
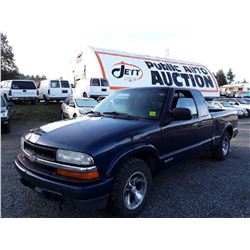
[9, 69]
[230, 76]
[221, 78]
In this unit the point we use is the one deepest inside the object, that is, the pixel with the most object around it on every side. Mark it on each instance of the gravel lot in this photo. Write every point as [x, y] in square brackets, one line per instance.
[196, 188]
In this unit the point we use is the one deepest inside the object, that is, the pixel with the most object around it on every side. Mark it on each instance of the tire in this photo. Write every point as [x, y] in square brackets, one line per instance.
[132, 184]
[84, 94]
[62, 116]
[221, 152]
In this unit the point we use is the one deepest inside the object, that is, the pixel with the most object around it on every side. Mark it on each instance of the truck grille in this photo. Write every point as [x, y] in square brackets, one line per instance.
[40, 151]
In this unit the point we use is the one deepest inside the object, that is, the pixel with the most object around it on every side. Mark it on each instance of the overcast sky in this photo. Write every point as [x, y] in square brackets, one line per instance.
[44, 34]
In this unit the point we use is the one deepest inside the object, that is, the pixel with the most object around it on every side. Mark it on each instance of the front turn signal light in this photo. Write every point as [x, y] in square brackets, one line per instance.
[78, 175]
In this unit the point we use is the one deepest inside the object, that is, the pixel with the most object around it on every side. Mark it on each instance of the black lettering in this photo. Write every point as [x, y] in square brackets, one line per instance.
[167, 79]
[149, 64]
[158, 66]
[137, 71]
[197, 69]
[185, 77]
[177, 83]
[171, 67]
[193, 69]
[204, 71]
[117, 70]
[187, 69]
[164, 66]
[208, 81]
[126, 72]
[176, 67]
[199, 81]
[192, 80]
[156, 78]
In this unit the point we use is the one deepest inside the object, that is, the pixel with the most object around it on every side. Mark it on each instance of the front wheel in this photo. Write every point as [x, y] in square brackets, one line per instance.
[131, 187]
[221, 152]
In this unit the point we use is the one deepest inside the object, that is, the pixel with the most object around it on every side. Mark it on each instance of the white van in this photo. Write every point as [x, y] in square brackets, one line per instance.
[93, 88]
[20, 90]
[54, 90]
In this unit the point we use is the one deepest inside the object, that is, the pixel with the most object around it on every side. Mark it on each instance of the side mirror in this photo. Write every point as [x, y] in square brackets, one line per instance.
[180, 114]
[71, 104]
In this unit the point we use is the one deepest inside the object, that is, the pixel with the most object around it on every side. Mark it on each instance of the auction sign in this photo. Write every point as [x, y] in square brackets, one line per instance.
[124, 70]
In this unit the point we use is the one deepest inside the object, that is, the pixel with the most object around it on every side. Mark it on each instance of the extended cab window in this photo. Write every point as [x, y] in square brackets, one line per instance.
[54, 84]
[184, 99]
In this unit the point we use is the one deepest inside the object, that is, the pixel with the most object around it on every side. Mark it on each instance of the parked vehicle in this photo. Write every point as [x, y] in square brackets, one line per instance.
[225, 105]
[73, 107]
[20, 90]
[94, 88]
[54, 90]
[237, 102]
[111, 153]
[234, 90]
[5, 115]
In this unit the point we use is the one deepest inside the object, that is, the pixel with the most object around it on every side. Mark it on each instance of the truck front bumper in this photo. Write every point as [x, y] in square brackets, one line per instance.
[83, 196]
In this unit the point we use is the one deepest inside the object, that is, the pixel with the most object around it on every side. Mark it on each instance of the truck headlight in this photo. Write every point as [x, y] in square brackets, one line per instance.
[75, 158]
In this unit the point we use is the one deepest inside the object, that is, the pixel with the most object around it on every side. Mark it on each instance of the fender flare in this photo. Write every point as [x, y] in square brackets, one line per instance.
[130, 151]
[228, 126]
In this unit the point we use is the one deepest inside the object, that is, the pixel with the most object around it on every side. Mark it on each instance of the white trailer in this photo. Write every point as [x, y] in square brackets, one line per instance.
[124, 70]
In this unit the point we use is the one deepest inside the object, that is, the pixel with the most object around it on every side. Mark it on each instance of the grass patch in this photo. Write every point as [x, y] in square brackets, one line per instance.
[36, 113]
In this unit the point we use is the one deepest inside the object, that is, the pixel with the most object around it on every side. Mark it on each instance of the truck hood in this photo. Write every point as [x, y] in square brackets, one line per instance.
[86, 134]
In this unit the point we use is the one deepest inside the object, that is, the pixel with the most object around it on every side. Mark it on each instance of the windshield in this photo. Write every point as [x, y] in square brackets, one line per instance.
[226, 104]
[2, 102]
[243, 101]
[146, 104]
[86, 102]
[23, 85]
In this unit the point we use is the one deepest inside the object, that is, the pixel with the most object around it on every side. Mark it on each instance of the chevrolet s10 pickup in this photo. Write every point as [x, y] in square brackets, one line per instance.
[108, 156]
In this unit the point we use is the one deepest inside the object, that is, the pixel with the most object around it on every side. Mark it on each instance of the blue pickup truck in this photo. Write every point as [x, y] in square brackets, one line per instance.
[109, 155]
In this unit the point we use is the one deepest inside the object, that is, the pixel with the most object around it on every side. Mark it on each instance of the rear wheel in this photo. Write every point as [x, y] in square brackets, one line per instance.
[221, 152]
[131, 187]
[84, 94]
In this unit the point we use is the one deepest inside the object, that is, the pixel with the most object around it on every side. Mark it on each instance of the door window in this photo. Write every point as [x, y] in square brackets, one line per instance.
[184, 99]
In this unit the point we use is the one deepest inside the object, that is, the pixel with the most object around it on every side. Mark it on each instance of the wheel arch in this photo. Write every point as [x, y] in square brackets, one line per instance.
[148, 153]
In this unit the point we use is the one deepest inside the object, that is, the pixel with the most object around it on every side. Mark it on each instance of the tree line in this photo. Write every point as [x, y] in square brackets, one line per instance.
[9, 69]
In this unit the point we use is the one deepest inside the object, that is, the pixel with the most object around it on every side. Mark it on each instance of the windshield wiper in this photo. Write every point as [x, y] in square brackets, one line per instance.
[94, 113]
[120, 114]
